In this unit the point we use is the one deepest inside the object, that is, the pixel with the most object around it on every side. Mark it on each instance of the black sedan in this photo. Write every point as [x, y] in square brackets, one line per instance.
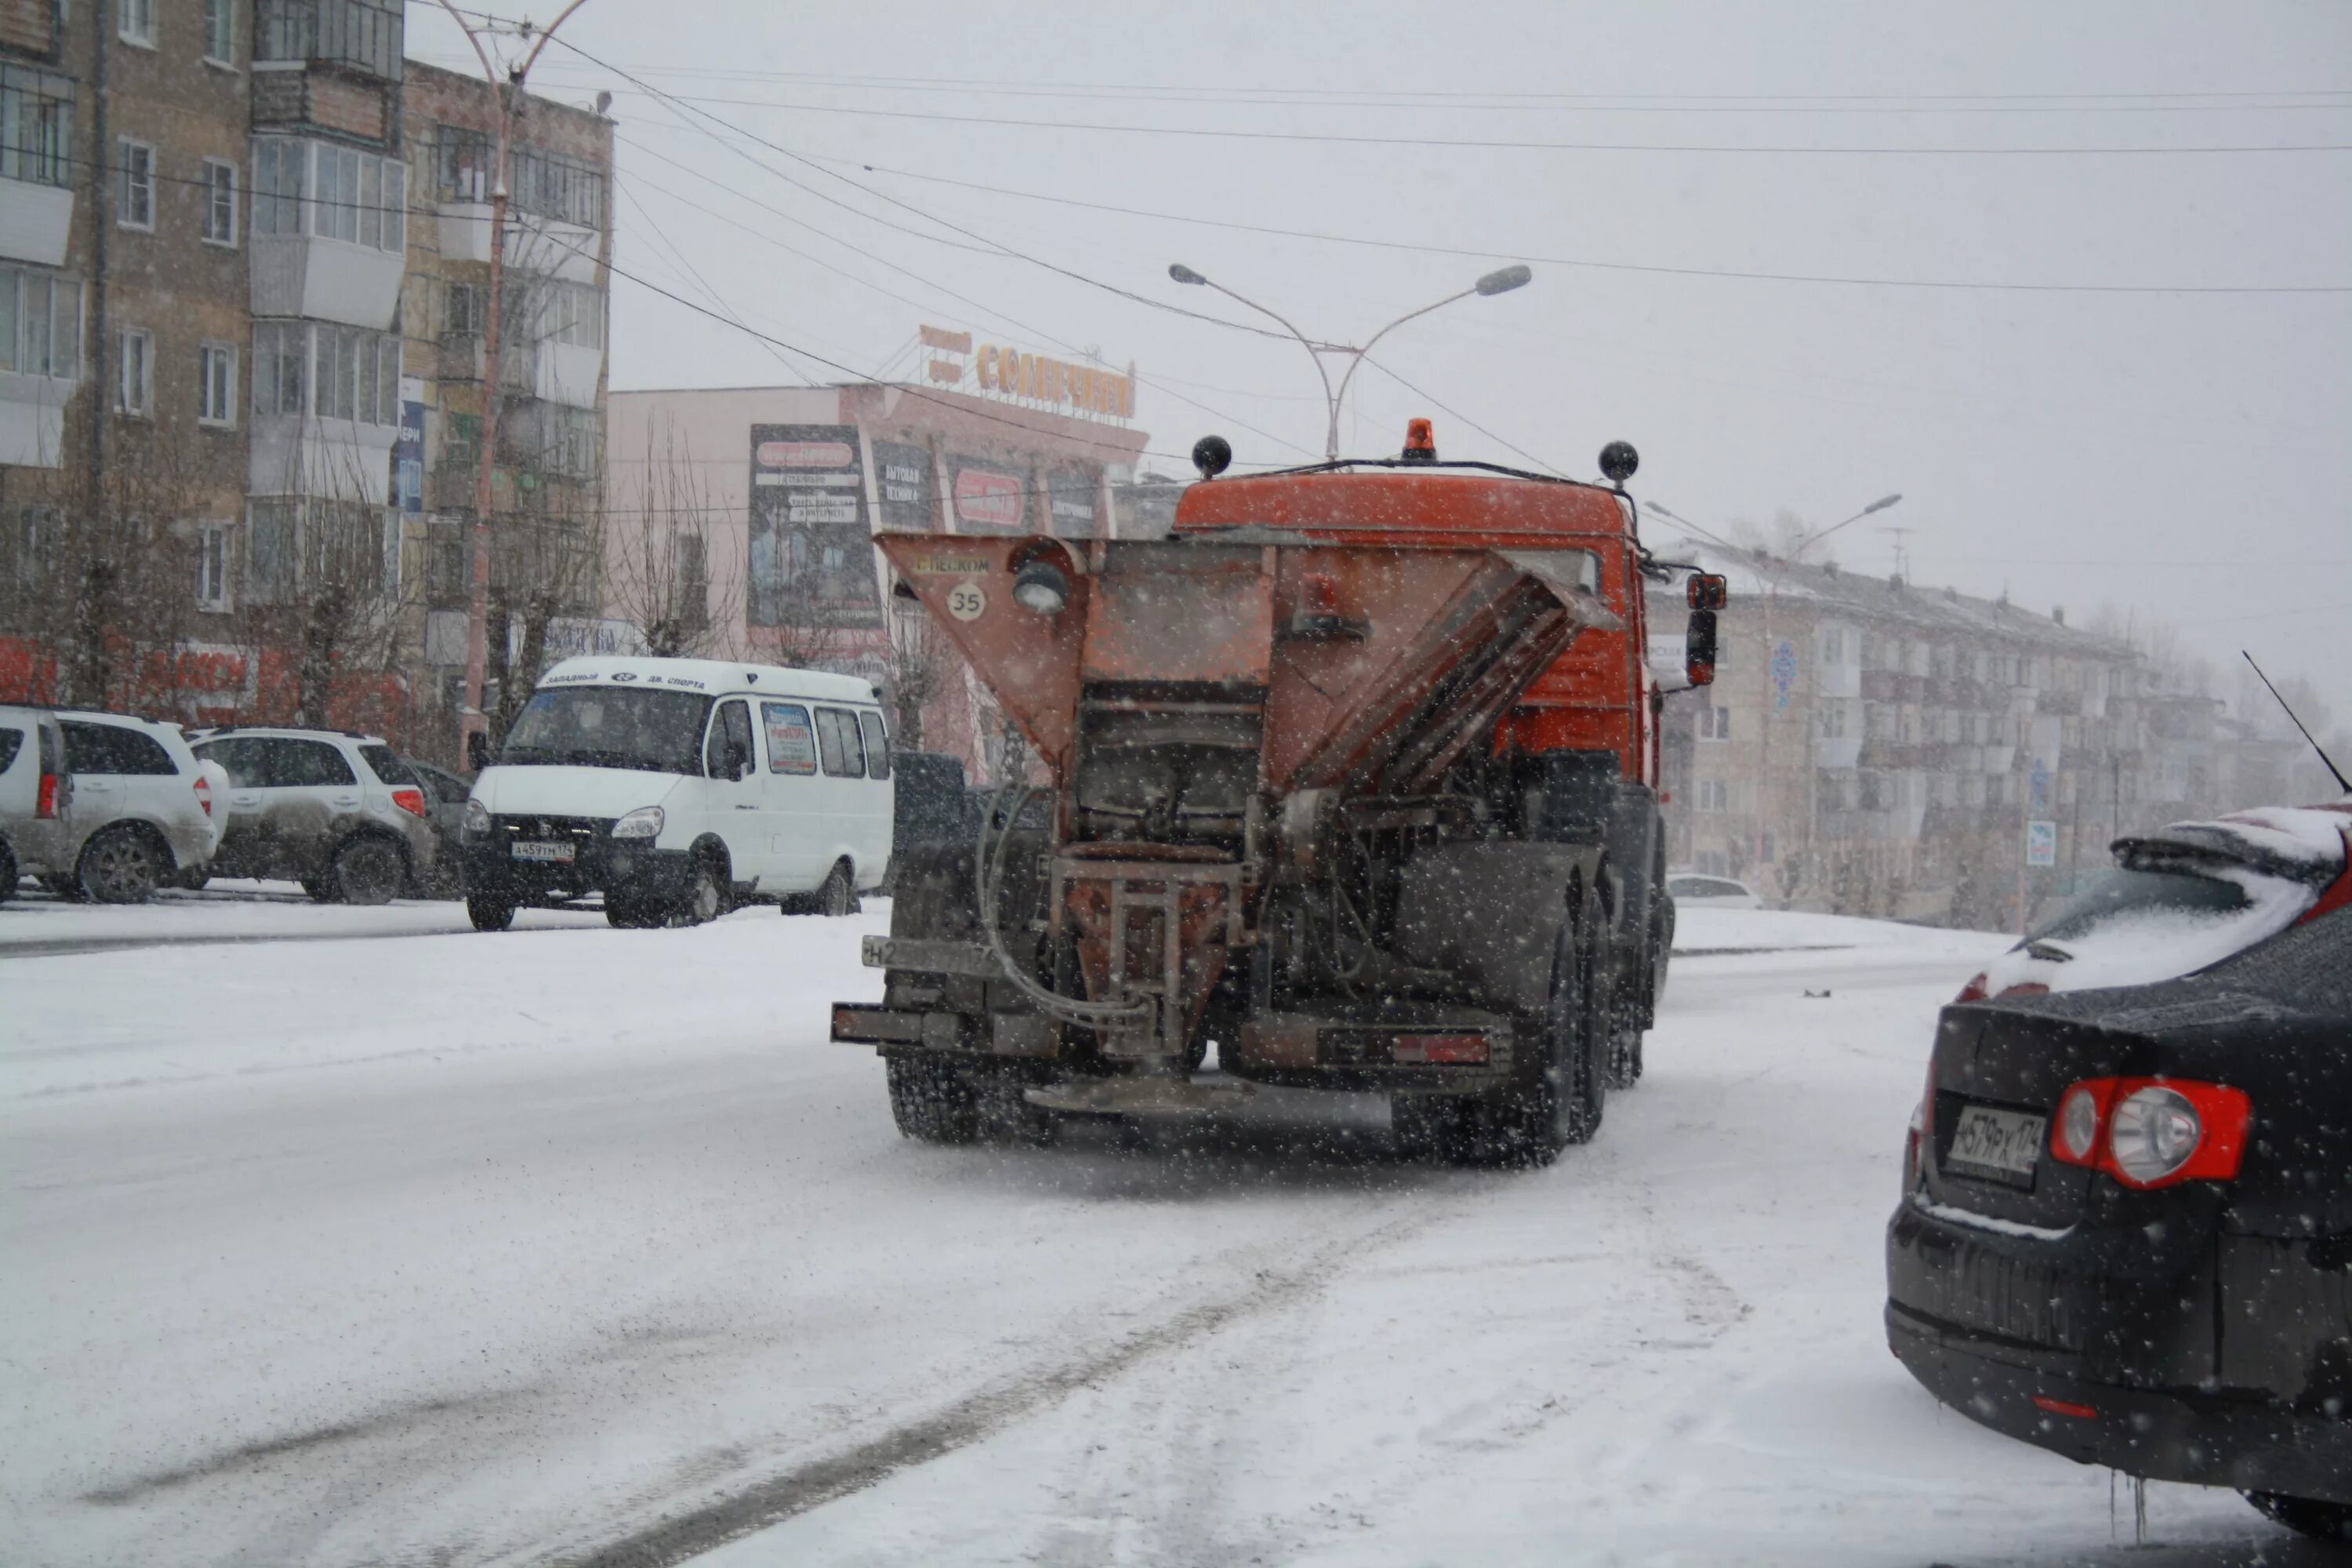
[2125, 1231]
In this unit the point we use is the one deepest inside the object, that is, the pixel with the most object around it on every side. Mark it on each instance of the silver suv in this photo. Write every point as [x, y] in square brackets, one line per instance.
[35, 797]
[143, 811]
[339, 813]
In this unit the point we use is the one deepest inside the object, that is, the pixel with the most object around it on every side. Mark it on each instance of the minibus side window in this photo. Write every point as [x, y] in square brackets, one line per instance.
[838, 743]
[792, 745]
[878, 746]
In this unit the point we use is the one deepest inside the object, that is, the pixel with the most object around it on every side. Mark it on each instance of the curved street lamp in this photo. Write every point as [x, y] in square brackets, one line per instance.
[1500, 282]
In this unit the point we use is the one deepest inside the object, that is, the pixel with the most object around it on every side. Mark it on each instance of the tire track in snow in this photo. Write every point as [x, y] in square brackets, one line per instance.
[981, 1415]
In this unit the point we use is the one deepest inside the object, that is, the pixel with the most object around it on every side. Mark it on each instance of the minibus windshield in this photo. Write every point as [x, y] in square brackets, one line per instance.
[609, 727]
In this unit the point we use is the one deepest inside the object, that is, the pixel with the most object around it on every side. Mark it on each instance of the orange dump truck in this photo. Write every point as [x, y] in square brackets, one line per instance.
[1354, 778]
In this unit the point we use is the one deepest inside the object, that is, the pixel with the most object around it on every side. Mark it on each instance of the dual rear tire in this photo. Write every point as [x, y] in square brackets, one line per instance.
[936, 1100]
[1559, 1080]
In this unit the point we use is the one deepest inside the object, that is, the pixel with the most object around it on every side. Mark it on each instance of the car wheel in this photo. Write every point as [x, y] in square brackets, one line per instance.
[195, 877]
[2307, 1516]
[368, 871]
[489, 913]
[319, 889]
[119, 867]
[838, 896]
[706, 895]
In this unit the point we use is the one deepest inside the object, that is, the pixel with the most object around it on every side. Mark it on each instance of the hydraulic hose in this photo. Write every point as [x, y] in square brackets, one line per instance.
[988, 875]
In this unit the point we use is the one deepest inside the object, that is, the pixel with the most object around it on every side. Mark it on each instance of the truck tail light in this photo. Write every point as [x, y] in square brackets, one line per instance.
[204, 787]
[2149, 1132]
[1439, 1049]
[411, 801]
[46, 805]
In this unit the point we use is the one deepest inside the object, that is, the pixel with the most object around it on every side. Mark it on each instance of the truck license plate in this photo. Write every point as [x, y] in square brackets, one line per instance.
[2001, 1144]
[529, 849]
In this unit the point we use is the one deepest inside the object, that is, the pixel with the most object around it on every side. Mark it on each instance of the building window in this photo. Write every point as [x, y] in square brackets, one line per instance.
[281, 351]
[277, 168]
[220, 202]
[1833, 646]
[135, 391]
[216, 384]
[542, 310]
[1714, 796]
[212, 566]
[1714, 724]
[358, 197]
[362, 34]
[292, 544]
[539, 184]
[134, 186]
[220, 32]
[135, 21]
[35, 124]
[462, 313]
[40, 324]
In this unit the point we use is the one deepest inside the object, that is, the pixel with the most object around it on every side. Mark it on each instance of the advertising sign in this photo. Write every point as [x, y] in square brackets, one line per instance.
[2041, 842]
[1784, 673]
[1070, 498]
[812, 561]
[408, 459]
[902, 483]
[989, 499]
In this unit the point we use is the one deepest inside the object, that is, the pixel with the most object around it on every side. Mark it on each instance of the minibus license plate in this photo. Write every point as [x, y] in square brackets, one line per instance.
[527, 849]
[2000, 1145]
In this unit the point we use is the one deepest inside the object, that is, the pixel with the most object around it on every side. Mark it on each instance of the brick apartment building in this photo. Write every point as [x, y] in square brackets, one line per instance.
[228, 375]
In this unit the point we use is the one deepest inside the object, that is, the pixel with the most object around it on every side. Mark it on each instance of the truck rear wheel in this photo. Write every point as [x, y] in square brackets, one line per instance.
[2308, 1516]
[1558, 1088]
[931, 1100]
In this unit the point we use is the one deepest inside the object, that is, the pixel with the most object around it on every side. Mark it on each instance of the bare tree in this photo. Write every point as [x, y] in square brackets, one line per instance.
[918, 669]
[659, 554]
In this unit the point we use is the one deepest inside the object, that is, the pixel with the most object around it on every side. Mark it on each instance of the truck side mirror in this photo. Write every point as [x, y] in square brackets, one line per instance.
[478, 750]
[1706, 590]
[1698, 648]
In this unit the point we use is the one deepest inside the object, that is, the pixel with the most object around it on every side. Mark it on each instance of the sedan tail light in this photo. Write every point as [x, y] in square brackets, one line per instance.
[2151, 1132]
[205, 794]
[411, 801]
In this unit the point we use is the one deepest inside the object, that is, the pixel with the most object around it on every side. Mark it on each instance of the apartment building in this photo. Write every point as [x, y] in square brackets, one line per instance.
[243, 245]
[1875, 747]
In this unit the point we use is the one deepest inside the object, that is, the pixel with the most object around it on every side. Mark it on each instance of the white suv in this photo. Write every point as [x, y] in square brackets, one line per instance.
[142, 809]
[339, 813]
[35, 797]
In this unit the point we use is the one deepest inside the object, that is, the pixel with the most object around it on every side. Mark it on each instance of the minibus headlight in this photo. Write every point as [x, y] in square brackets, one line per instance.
[645, 822]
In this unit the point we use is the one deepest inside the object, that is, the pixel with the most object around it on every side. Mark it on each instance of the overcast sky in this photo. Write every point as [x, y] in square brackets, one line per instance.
[2183, 453]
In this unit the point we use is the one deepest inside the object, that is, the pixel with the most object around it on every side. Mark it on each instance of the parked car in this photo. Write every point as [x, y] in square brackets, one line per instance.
[2180, 899]
[445, 807]
[678, 787]
[1692, 891]
[35, 798]
[339, 813]
[143, 811]
[2126, 1228]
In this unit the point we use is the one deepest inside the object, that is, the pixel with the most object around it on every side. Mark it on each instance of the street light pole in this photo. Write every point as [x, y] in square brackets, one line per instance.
[1499, 282]
[1797, 550]
[472, 720]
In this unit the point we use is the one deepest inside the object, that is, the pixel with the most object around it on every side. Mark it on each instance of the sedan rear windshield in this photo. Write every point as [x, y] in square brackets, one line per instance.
[2118, 895]
[608, 727]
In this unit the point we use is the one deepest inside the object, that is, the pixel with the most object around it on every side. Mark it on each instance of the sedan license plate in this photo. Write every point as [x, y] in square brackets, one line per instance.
[2002, 1146]
[528, 850]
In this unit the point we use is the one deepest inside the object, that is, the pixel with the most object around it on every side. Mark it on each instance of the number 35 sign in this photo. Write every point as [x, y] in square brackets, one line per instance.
[967, 601]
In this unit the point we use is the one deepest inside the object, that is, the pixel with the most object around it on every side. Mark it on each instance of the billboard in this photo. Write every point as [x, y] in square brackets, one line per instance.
[902, 484]
[989, 498]
[1070, 496]
[811, 558]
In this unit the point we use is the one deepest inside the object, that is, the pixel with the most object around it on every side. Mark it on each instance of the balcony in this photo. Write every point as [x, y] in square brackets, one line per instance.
[541, 247]
[33, 419]
[36, 222]
[325, 279]
[338, 459]
[1838, 752]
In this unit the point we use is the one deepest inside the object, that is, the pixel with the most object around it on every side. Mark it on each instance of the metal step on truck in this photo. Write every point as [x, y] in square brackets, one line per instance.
[1355, 776]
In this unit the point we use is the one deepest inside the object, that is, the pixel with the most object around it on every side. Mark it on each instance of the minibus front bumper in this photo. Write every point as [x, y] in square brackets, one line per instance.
[533, 859]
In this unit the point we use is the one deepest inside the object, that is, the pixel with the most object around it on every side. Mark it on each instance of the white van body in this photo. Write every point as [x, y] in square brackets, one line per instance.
[780, 775]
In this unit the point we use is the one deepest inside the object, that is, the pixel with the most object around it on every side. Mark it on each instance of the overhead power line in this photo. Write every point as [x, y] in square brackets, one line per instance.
[1495, 143]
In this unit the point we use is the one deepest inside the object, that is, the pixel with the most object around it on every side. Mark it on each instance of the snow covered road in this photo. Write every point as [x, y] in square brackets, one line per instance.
[586, 1247]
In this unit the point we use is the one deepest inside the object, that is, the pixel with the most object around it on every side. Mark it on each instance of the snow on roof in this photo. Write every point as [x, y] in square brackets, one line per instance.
[1835, 591]
[2309, 835]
